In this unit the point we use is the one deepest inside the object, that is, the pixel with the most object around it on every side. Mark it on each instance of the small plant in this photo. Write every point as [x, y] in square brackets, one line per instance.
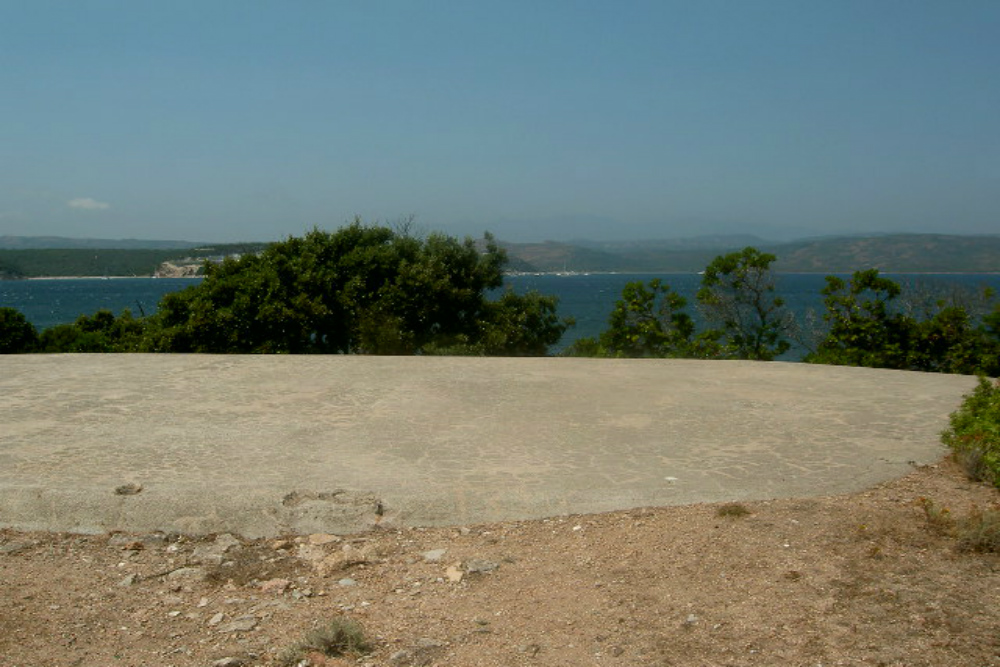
[939, 519]
[980, 531]
[341, 636]
[733, 510]
[974, 435]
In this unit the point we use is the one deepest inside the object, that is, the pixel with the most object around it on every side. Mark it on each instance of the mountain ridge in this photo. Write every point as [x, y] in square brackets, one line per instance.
[890, 253]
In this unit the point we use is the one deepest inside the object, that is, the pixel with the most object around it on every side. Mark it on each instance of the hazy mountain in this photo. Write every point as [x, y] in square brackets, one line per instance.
[61, 242]
[900, 253]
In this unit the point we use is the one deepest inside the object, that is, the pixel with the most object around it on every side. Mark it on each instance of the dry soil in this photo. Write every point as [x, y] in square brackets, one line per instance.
[861, 579]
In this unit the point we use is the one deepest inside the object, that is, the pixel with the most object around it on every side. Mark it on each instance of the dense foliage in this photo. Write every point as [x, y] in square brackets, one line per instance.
[974, 434]
[649, 321]
[17, 334]
[867, 323]
[869, 327]
[737, 297]
[362, 289]
[377, 290]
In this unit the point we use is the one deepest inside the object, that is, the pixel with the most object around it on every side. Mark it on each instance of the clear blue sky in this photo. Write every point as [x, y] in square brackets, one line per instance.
[255, 120]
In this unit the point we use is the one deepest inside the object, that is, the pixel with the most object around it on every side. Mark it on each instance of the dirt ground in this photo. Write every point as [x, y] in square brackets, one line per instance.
[862, 579]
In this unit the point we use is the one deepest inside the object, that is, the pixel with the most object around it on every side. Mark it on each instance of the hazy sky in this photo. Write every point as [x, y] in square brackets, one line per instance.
[254, 120]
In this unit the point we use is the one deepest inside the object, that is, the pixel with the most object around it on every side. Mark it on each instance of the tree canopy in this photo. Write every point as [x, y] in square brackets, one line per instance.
[737, 295]
[361, 289]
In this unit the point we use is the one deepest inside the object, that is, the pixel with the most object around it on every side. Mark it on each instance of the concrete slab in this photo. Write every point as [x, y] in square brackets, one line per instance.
[267, 445]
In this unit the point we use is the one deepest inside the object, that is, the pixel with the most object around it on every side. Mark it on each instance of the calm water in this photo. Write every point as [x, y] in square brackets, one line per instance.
[589, 299]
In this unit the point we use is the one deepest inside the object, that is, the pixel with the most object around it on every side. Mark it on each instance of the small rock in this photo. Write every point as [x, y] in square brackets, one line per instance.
[225, 542]
[154, 539]
[229, 662]
[120, 540]
[128, 489]
[12, 547]
[691, 619]
[347, 581]
[129, 580]
[434, 555]
[427, 642]
[239, 624]
[275, 586]
[319, 539]
[454, 574]
[215, 620]
[400, 657]
[347, 557]
[480, 566]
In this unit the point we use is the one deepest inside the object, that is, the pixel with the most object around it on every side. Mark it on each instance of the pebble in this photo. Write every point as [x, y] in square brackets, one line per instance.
[239, 624]
[129, 580]
[228, 662]
[275, 586]
[12, 547]
[187, 573]
[434, 555]
[480, 566]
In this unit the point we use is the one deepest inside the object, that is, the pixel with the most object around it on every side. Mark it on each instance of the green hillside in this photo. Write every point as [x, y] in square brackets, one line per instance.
[91, 262]
[895, 253]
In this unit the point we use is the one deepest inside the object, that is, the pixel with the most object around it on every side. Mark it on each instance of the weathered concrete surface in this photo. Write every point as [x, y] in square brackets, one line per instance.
[263, 445]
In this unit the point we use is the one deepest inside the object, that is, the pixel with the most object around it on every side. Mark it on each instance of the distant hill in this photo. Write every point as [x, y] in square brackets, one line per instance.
[98, 261]
[62, 242]
[892, 253]
[896, 253]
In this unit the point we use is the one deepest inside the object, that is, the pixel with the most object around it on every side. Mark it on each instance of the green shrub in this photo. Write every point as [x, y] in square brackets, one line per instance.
[974, 435]
[733, 510]
[341, 636]
[17, 334]
[980, 532]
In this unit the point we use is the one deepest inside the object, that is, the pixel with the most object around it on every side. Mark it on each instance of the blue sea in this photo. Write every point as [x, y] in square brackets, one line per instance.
[588, 298]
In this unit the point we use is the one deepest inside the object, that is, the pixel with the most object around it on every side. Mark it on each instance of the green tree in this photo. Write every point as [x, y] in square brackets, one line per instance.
[864, 329]
[872, 324]
[737, 295]
[647, 321]
[951, 342]
[362, 289]
[100, 332]
[17, 334]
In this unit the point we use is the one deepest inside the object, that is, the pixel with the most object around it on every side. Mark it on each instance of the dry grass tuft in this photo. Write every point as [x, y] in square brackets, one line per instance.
[341, 636]
[733, 510]
[980, 531]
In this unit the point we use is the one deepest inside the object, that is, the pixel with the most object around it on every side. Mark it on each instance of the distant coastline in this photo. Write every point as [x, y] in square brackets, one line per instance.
[931, 254]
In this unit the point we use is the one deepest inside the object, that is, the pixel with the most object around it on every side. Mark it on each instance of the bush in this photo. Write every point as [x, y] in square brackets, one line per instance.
[17, 334]
[974, 435]
[980, 532]
[362, 289]
[341, 636]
